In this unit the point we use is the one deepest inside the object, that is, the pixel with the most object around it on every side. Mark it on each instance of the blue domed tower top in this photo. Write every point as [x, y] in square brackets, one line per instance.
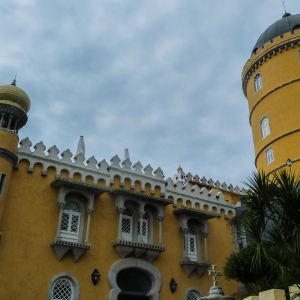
[288, 23]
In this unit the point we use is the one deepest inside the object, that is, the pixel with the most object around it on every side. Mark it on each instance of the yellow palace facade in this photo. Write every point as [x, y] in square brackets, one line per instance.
[75, 228]
[64, 218]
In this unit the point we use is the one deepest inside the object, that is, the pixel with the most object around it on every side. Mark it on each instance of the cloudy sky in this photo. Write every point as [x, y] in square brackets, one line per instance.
[160, 77]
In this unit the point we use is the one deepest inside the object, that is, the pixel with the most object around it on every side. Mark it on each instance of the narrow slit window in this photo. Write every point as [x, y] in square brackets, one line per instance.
[2, 184]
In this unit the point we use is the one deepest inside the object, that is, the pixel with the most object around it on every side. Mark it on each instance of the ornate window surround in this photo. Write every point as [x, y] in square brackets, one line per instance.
[186, 216]
[67, 186]
[142, 265]
[139, 204]
[71, 278]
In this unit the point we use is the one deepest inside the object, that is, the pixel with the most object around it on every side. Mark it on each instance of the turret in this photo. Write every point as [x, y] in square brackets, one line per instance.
[14, 106]
[271, 83]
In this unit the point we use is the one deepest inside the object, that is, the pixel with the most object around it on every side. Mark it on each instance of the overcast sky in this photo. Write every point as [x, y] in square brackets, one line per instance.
[159, 77]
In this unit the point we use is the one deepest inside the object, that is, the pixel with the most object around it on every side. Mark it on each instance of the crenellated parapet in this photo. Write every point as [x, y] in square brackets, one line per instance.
[90, 167]
[210, 184]
[198, 198]
[208, 196]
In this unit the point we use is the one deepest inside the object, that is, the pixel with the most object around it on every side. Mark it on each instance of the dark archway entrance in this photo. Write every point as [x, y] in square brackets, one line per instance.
[134, 284]
[132, 297]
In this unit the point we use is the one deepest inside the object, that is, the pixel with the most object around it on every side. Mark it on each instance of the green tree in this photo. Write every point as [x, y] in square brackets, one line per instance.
[272, 222]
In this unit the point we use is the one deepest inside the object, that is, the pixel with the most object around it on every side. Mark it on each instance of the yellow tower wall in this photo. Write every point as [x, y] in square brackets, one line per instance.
[279, 66]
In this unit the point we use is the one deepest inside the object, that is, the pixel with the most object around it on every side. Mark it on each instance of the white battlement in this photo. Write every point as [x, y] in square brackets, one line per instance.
[125, 170]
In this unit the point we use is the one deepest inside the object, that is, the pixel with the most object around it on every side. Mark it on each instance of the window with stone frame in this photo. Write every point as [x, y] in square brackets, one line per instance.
[265, 127]
[144, 228]
[63, 286]
[127, 225]
[192, 293]
[269, 155]
[190, 244]
[70, 222]
[258, 84]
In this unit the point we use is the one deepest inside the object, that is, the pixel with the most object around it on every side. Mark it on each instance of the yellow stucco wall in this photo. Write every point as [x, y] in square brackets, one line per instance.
[278, 99]
[30, 224]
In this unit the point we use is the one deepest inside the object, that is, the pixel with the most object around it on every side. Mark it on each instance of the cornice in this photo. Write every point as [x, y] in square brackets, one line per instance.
[263, 57]
[121, 191]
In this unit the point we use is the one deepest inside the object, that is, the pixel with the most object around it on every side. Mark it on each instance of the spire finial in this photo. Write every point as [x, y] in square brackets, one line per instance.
[15, 81]
[286, 14]
[80, 147]
[126, 154]
[284, 6]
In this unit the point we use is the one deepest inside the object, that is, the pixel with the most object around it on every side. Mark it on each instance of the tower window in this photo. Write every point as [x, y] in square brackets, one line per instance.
[258, 84]
[265, 127]
[269, 156]
[2, 183]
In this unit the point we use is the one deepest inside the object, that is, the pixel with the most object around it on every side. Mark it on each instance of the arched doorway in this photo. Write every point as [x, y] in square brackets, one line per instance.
[134, 284]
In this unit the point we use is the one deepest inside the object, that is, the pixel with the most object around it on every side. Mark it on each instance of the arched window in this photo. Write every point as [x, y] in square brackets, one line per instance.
[190, 244]
[269, 155]
[265, 127]
[70, 222]
[258, 84]
[127, 220]
[63, 286]
[193, 293]
[192, 296]
[145, 229]
[62, 289]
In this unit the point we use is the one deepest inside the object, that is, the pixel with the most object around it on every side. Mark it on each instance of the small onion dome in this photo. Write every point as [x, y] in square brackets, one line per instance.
[13, 95]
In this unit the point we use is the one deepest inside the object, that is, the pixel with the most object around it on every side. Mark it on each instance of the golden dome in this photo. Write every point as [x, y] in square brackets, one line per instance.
[13, 95]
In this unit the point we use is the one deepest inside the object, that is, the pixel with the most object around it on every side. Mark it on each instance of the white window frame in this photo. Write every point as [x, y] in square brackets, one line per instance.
[265, 127]
[64, 276]
[128, 236]
[145, 228]
[258, 82]
[69, 234]
[192, 243]
[2, 183]
[269, 155]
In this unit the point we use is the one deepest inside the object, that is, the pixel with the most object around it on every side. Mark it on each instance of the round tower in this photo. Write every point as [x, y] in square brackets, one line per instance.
[14, 105]
[271, 83]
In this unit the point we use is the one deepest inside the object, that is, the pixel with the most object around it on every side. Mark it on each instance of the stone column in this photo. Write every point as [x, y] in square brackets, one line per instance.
[140, 216]
[120, 210]
[205, 234]
[160, 219]
[61, 208]
[9, 122]
[87, 236]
